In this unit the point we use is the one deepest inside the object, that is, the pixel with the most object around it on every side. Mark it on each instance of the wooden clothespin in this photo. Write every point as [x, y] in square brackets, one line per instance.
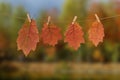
[97, 18]
[74, 19]
[48, 21]
[28, 16]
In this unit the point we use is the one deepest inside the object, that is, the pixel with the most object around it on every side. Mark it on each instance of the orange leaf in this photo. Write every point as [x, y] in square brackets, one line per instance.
[96, 33]
[74, 36]
[28, 37]
[50, 34]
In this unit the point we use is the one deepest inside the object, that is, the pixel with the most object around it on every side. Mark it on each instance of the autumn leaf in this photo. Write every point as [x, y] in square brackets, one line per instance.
[28, 37]
[96, 33]
[74, 36]
[50, 34]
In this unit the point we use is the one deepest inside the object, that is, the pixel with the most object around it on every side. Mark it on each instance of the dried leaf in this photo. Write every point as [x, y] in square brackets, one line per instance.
[74, 36]
[96, 33]
[50, 34]
[28, 37]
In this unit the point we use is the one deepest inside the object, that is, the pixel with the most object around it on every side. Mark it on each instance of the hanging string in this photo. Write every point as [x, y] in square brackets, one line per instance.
[110, 17]
[7, 15]
[21, 18]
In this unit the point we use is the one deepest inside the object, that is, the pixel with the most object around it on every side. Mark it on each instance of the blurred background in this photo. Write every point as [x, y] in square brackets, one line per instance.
[60, 62]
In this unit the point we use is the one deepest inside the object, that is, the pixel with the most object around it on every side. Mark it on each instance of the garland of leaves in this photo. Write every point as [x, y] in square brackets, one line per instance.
[28, 36]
